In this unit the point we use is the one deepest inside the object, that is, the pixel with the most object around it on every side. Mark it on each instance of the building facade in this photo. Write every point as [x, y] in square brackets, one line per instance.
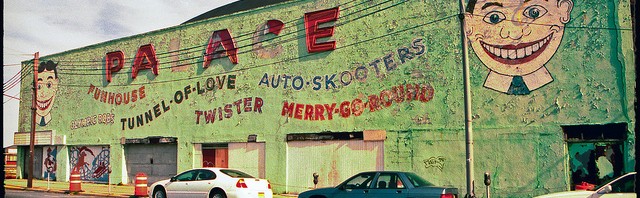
[287, 90]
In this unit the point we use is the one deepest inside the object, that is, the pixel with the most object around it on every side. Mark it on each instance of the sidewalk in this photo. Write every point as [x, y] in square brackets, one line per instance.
[89, 189]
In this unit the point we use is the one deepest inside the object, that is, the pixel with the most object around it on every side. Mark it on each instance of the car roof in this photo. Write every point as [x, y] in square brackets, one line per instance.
[384, 172]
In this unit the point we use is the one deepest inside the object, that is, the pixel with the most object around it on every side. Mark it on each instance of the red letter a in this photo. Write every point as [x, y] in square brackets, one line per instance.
[145, 59]
[220, 38]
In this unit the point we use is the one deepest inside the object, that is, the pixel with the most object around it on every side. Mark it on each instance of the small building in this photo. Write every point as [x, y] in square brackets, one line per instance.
[286, 89]
[10, 158]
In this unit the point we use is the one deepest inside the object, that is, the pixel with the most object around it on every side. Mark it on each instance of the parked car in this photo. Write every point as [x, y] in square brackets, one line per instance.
[211, 183]
[621, 187]
[383, 184]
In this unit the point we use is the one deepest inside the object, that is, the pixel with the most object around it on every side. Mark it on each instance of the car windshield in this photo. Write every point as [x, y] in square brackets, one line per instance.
[622, 181]
[235, 173]
[417, 181]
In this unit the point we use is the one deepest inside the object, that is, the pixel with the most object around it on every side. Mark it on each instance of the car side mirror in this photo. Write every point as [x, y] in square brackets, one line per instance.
[172, 179]
[606, 189]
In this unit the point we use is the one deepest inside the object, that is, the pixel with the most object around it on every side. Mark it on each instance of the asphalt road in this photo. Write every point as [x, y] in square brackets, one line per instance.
[36, 194]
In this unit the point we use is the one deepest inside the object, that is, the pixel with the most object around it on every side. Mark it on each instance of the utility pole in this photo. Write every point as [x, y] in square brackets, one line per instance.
[32, 137]
[468, 127]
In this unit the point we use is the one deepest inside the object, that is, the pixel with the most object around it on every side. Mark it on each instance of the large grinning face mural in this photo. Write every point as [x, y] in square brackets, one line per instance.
[515, 39]
[47, 88]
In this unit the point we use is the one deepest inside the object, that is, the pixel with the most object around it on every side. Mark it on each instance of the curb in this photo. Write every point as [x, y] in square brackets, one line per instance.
[61, 191]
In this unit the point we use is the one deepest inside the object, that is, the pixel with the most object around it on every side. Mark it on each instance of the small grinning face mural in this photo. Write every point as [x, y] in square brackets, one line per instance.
[515, 39]
[47, 88]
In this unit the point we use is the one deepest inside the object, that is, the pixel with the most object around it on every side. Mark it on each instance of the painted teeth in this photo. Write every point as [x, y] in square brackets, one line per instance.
[42, 105]
[516, 53]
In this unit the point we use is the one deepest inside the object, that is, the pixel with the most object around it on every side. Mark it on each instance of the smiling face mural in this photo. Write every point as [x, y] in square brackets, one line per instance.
[515, 39]
[47, 88]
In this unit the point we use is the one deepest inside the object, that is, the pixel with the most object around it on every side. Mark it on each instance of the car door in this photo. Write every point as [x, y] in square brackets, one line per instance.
[203, 183]
[388, 185]
[180, 186]
[357, 186]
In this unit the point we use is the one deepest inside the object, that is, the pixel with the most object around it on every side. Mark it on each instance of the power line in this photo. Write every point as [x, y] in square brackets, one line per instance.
[12, 97]
[14, 81]
[197, 47]
[249, 45]
[277, 62]
[566, 26]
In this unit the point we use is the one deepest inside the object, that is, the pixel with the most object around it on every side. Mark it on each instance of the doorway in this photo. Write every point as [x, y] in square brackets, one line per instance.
[595, 154]
[215, 156]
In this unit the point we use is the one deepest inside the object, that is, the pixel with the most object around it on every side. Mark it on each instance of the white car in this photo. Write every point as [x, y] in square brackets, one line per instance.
[621, 187]
[212, 183]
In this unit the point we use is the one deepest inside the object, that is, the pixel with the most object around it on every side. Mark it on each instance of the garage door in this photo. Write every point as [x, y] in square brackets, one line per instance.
[158, 161]
[334, 161]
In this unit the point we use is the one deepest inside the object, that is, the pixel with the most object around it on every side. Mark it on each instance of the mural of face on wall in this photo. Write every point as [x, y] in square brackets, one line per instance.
[515, 39]
[47, 88]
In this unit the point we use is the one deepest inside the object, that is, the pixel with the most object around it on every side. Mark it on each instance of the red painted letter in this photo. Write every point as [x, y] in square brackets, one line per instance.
[220, 38]
[109, 59]
[312, 22]
[273, 27]
[145, 59]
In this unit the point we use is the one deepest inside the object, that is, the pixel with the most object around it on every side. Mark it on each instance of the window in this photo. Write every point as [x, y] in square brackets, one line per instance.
[389, 180]
[235, 173]
[359, 181]
[187, 176]
[417, 181]
[624, 185]
[206, 175]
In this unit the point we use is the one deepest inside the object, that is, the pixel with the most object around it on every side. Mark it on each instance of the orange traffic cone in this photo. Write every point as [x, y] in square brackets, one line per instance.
[75, 182]
[141, 185]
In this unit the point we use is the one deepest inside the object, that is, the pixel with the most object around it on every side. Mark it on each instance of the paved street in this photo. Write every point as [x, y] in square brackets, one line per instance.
[29, 194]
[58, 189]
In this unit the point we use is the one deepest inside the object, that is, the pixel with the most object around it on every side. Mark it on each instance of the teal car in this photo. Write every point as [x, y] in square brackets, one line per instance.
[383, 184]
[621, 187]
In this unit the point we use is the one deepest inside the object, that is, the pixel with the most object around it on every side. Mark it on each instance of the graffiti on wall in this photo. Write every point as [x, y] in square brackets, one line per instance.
[105, 118]
[92, 162]
[434, 162]
[401, 93]
[47, 88]
[50, 164]
[515, 39]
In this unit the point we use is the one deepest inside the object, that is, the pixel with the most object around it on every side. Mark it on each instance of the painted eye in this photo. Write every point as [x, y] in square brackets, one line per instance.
[48, 85]
[535, 11]
[39, 86]
[494, 17]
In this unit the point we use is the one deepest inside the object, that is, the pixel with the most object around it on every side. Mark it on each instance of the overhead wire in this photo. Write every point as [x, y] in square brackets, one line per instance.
[566, 26]
[252, 34]
[277, 62]
[15, 83]
[252, 44]
[10, 84]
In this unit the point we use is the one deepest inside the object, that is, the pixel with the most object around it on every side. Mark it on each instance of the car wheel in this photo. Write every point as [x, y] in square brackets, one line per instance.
[159, 193]
[218, 194]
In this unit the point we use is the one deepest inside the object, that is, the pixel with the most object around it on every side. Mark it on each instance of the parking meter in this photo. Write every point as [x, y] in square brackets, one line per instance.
[487, 182]
[487, 179]
[315, 180]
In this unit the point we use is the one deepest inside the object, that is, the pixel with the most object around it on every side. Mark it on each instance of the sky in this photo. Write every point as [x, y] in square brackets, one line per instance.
[50, 27]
